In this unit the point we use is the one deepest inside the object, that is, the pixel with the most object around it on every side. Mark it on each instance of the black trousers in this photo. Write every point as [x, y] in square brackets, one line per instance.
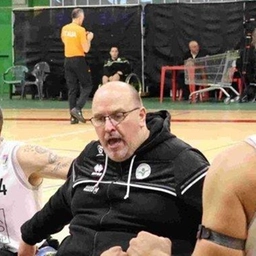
[79, 82]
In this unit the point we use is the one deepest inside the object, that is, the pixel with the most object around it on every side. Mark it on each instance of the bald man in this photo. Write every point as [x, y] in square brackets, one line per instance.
[136, 176]
[194, 52]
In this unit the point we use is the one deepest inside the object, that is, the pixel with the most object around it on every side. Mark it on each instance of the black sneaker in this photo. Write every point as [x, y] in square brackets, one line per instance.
[77, 114]
[74, 120]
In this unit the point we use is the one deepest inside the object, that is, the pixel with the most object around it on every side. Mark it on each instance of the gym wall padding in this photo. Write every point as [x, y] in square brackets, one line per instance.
[37, 36]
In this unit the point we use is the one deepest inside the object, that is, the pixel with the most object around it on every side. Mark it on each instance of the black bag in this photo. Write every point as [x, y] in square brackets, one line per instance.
[249, 94]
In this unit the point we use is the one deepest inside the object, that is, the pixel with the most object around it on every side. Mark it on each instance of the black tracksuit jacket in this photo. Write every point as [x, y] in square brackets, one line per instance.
[106, 203]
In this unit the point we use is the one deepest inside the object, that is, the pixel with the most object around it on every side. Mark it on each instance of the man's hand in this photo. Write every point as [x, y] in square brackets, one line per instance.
[114, 251]
[146, 244]
[26, 249]
[89, 36]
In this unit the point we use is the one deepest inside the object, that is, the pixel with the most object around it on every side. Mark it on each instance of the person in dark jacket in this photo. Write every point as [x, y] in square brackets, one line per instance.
[194, 52]
[137, 177]
[115, 68]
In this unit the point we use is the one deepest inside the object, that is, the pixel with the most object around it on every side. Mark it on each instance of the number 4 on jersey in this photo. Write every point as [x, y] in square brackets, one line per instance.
[2, 187]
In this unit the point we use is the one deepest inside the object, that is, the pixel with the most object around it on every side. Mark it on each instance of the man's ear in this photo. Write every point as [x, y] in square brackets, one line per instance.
[143, 116]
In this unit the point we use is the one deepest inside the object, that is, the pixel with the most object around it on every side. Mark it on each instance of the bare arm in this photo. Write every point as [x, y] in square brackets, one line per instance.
[229, 201]
[38, 162]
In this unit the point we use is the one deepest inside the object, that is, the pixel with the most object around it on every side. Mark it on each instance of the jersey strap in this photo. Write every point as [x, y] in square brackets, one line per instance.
[221, 239]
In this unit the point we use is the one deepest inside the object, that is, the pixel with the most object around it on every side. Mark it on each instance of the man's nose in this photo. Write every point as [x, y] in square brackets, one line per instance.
[108, 124]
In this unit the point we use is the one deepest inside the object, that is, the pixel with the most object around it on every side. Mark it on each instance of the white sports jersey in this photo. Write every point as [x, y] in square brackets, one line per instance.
[250, 247]
[18, 199]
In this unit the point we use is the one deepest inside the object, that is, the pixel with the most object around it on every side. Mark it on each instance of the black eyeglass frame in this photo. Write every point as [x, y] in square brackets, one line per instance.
[125, 114]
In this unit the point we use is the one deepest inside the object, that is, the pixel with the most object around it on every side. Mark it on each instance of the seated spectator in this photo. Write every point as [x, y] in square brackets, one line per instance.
[115, 68]
[193, 52]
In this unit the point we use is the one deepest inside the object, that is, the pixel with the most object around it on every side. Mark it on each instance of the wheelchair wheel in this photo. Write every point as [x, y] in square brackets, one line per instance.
[227, 100]
[134, 80]
[237, 99]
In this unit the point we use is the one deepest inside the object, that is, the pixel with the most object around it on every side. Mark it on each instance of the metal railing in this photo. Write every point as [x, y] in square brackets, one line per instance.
[129, 2]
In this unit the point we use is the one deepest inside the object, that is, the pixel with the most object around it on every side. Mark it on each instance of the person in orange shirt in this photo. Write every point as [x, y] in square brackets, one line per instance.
[77, 43]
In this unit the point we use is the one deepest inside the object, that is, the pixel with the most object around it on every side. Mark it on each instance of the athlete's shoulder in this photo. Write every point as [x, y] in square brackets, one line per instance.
[237, 156]
[234, 167]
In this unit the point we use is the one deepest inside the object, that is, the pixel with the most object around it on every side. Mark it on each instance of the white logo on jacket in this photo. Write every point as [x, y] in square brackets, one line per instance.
[100, 150]
[142, 171]
[98, 168]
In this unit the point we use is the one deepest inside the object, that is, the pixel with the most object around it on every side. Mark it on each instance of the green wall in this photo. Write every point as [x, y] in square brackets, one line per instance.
[6, 37]
[33, 3]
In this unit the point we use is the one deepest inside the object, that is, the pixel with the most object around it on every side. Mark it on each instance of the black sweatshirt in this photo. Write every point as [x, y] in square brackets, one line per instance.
[106, 203]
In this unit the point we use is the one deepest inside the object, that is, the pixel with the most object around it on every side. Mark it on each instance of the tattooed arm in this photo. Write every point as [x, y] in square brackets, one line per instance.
[38, 162]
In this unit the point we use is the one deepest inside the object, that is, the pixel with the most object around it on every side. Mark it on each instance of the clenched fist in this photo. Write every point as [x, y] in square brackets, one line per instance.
[114, 251]
[147, 244]
[89, 35]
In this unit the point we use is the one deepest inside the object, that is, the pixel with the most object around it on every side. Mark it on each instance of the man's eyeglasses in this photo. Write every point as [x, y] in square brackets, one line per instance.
[115, 118]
